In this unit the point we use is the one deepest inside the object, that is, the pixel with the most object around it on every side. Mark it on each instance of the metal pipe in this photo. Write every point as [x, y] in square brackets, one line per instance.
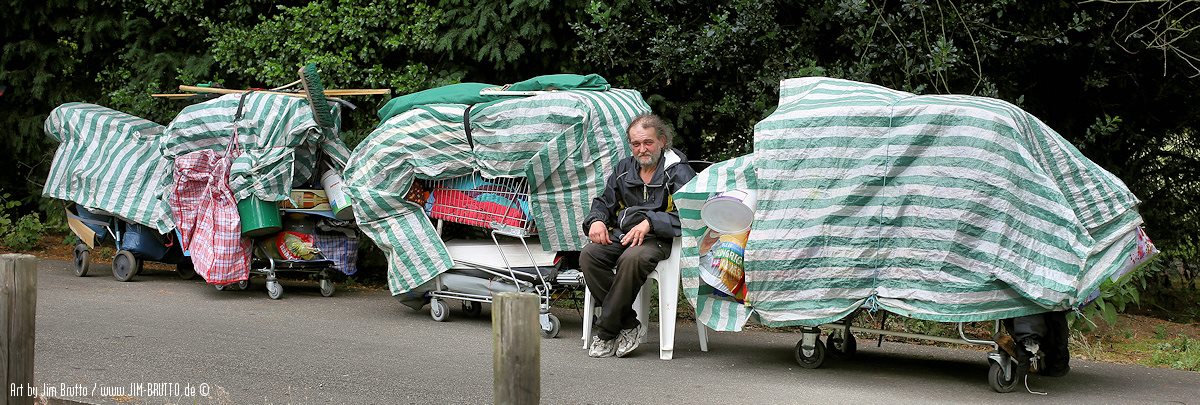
[910, 335]
[494, 271]
[461, 296]
[963, 335]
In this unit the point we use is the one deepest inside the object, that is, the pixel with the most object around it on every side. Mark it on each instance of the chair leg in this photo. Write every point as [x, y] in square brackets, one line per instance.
[702, 332]
[588, 307]
[668, 301]
[641, 304]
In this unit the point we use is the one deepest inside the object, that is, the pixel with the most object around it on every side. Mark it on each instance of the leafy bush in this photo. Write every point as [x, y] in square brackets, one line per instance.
[1170, 283]
[1115, 297]
[24, 233]
[1164, 286]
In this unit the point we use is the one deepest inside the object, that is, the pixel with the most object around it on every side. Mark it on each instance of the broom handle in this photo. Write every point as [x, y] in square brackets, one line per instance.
[356, 92]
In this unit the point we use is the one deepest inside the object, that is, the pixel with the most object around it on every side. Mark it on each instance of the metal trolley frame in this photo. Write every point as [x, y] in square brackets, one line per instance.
[264, 265]
[125, 264]
[511, 221]
[810, 351]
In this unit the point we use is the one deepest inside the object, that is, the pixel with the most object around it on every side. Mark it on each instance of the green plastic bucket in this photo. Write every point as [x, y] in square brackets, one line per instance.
[259, 217]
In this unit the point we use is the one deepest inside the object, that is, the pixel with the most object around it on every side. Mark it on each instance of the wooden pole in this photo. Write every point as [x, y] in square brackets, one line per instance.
[516, 349]
[327, 92]
[18, 304]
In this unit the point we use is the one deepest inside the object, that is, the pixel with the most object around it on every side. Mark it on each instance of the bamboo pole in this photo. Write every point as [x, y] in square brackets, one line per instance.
[516, 349]
[18, 296]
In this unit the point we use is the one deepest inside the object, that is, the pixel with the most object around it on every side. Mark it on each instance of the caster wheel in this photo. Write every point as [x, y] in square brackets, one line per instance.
[274, 290]
[219, 287]
[125, 266]
[555, 326]
[243, 285]
[439, 310]
[472, 308]
[327, 287]
[998, 381]
[841, 346]
[810, 360]
[83, 257]
[185, 269]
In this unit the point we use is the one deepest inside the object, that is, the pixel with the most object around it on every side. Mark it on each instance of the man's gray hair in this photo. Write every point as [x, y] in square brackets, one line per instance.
[648, 121]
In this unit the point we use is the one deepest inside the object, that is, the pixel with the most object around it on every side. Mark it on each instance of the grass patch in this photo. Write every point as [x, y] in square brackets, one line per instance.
[1141, 340]
[1181, 353]
[1160, 332]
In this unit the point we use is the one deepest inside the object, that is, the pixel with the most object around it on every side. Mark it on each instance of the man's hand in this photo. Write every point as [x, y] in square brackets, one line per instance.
[635, 236]
[598, 233]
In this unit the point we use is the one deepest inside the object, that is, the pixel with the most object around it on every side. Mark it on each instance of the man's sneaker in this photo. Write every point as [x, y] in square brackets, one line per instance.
[629, 339]
[602, 348]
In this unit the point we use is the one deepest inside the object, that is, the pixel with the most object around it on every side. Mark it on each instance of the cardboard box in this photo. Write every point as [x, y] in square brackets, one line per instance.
[306, 199]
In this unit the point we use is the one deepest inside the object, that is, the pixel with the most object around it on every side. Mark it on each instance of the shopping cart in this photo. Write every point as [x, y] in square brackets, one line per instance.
[504, 261]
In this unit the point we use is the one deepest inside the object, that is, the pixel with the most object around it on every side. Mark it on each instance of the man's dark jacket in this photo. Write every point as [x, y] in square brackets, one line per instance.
[627, 200]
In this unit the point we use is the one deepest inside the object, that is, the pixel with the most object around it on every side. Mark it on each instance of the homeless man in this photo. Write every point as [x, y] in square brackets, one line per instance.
[631, 226]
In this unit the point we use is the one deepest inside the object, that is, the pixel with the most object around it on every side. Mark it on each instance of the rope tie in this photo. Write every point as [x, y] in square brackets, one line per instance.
[873, 300]
[1032, 391]
[872, 303]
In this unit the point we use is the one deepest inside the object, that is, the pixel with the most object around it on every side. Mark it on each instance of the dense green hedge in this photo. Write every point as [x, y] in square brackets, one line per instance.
[1116, 78]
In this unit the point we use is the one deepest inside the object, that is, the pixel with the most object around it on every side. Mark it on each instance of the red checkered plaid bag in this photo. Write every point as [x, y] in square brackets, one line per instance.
[207, 217]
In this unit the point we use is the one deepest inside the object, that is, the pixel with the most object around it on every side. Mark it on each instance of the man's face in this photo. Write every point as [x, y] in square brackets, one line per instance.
[647, 148]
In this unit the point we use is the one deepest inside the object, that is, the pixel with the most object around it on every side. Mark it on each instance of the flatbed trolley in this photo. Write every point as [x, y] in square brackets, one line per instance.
[810, 351]
[321, 269]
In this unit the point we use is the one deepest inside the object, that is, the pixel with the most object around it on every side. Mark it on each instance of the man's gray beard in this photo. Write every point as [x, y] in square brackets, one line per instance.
[653, 162]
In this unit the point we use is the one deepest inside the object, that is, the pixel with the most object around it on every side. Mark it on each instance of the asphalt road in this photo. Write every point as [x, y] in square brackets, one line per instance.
[99, 336]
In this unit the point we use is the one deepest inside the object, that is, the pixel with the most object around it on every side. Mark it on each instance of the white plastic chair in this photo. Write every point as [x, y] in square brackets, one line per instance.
[666, 276]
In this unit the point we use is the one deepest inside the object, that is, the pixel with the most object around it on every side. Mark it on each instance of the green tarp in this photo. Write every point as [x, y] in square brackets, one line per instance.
[122, 164]
[942, 207]
[460, 93]
[468, 93]
[277, 135]
[562, 142]
[108, 160]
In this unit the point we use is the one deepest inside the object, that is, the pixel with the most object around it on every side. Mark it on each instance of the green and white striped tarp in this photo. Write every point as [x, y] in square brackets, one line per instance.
[942, 207]
[562, 142]
[108, 160]
[278, 136]
[718, 313]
